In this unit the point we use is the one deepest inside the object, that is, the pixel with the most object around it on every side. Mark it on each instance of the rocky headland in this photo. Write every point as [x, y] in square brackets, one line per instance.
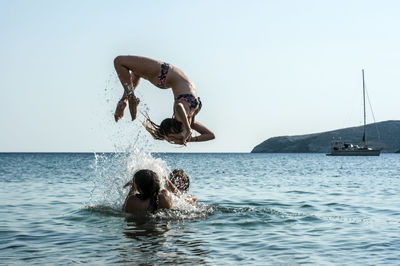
[383, 134]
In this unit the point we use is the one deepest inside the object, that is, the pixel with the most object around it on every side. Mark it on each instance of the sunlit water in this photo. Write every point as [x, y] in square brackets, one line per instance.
[262, 209]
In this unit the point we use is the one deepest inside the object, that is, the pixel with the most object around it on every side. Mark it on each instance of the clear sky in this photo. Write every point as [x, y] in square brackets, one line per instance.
[261, 68]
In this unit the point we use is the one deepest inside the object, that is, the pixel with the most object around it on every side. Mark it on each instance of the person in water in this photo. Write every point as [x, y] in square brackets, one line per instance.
[145, 193]
[178, 129]
[178, 183]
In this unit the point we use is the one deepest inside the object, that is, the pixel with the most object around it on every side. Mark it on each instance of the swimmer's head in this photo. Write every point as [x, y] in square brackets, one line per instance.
[180, 179]
[146, 182]
[170, 126]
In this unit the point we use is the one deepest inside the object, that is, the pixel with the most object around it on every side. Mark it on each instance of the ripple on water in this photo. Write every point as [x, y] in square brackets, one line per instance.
[255, 209]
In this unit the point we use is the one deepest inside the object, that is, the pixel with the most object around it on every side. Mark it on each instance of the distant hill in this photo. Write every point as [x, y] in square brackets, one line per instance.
[389, 139]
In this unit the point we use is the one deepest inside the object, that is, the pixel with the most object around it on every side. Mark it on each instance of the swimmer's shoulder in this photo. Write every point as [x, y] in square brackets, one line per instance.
[164, 199]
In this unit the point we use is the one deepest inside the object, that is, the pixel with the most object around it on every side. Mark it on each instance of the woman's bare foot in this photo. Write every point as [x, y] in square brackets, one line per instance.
[133, 104]
[119, 111]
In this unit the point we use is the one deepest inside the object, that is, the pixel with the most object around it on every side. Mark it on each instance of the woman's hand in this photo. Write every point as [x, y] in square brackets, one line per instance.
[186, 136]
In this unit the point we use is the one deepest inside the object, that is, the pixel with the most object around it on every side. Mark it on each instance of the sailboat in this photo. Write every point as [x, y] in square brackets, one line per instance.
[341, 148]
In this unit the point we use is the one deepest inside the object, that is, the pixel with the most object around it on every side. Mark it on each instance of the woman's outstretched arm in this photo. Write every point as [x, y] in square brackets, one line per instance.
[205, 133]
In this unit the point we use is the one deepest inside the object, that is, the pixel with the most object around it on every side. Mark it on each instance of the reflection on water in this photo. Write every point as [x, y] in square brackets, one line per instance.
[158, 242]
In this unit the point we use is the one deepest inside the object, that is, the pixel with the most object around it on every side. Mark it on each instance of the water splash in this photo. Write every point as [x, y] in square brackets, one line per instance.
[132, 147]
[113, 170]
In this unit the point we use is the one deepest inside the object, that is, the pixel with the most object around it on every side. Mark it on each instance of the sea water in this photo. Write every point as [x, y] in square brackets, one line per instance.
[259, 209]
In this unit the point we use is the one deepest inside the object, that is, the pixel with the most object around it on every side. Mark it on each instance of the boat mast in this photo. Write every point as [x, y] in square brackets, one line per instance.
[365, 117]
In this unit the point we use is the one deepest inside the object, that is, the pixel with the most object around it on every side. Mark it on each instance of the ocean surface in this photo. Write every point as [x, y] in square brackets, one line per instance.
[258, 209]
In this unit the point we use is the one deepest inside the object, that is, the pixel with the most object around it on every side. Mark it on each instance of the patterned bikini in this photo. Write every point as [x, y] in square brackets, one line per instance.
[162, 78]
[191, 99]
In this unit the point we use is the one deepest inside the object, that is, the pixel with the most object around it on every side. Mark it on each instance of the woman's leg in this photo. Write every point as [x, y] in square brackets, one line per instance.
[129, 82]
[132, 99]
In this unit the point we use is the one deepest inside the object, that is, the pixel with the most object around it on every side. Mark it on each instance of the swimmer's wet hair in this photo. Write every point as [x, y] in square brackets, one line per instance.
[167, 126]
[148, 183]
[180, 179]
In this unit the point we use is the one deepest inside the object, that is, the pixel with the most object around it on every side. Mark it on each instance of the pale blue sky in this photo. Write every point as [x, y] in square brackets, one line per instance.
[261, 68]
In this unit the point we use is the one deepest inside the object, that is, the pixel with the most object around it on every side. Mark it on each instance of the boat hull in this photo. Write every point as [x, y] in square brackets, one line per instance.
[355, 153]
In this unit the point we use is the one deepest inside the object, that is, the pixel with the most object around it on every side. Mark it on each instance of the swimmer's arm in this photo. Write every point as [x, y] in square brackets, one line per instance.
[171, 187]
[191, 199]
[181, 116]
[131, 193]
[165, 199]
[205, 133]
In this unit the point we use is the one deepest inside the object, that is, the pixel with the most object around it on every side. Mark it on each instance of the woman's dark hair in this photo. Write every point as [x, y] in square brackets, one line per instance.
[148, 183]
[180, 179]
[167, 126]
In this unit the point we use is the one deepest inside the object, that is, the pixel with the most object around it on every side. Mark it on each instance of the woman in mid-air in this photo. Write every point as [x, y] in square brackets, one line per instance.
[178, 129]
